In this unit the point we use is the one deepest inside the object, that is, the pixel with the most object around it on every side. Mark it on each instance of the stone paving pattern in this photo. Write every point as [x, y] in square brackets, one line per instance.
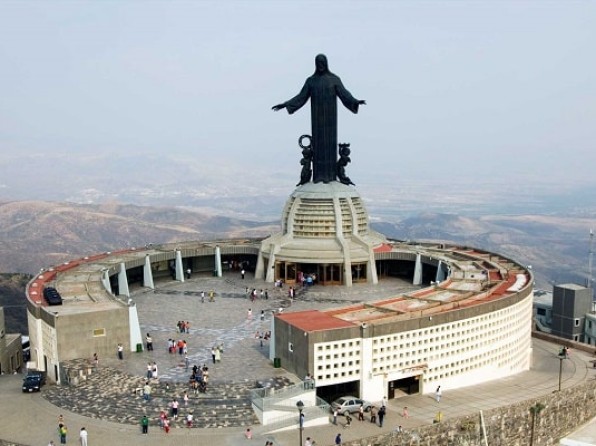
[110, 392]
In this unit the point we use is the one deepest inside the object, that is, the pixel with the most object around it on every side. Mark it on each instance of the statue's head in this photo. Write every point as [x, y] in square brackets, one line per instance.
[321, 64]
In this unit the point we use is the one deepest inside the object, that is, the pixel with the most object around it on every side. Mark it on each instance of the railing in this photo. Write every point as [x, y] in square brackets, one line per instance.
[257, 396]
[292, 416]
[285, 404]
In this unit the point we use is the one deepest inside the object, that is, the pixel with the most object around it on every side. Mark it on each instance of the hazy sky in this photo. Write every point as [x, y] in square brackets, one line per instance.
[453, 88]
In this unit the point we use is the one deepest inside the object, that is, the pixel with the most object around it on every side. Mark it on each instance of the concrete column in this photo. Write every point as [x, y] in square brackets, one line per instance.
[418, 270]
[148, 274]
[345, 246]
[270, 271]
[135, 327]
[218, 260]
[105, 280]
[179, 267]
[371, 273]
[260, 269]
[371, 386]
[123, 281]
[272, 338]
[440, 272]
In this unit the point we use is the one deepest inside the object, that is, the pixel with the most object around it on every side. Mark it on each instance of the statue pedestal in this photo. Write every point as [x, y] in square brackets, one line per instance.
[325, 234]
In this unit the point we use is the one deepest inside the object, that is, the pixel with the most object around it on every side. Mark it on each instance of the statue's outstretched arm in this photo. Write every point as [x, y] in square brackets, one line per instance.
[278, 107]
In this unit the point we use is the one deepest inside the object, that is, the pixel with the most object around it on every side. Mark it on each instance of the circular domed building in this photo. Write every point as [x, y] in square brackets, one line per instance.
[325, 233]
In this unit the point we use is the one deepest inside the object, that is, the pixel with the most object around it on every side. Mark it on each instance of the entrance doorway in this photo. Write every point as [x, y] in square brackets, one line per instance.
[404, 386]
[322, 274]
[286, 271]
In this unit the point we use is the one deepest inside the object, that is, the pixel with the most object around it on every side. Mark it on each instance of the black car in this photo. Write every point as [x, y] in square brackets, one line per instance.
[33, 381]
[52, 296]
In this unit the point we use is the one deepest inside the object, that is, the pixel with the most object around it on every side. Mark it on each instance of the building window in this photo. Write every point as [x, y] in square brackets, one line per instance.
[99, 332]
[290, 347]
[577, 322]
[541, 311]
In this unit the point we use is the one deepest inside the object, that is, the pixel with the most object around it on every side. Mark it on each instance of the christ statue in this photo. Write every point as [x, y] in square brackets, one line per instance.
[322, 88]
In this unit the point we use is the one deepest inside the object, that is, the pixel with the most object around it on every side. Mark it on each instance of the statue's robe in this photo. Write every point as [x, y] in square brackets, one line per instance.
[322, 89]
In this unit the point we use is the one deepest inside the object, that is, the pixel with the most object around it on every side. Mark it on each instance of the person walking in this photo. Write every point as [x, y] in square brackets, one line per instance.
[242, 273]
[381, 415]
[145, 424]
[405, 413]
[120, 352]
[338, 439]
[83, 436]
[361, 413]
[149, 342]
[175, 409]
[373, 414]
[438, 394]
[335, 412]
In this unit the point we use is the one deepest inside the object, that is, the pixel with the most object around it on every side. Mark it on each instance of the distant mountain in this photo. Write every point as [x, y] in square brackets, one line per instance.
[556, 247]
[35, 234]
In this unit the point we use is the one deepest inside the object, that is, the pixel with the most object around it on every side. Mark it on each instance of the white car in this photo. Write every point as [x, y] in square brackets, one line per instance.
[349, 404]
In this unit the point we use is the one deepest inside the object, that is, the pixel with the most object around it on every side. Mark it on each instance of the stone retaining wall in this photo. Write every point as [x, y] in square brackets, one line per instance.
[563, 412]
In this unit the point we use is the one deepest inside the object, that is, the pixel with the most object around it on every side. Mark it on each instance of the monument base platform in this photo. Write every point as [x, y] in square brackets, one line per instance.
[325, 237]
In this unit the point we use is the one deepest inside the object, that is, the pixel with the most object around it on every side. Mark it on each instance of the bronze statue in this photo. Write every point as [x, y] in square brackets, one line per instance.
[306, 160]
[344, 159]
[323, 88]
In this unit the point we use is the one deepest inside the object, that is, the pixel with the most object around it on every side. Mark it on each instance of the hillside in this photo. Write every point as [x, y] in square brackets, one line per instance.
[556, 247]
[35, 235]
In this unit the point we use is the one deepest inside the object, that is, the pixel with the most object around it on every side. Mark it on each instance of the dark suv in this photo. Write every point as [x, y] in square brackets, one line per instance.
[33, 381]
[52, 296]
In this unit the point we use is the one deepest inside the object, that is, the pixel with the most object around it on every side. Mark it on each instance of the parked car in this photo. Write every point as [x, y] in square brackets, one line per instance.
[349, 404]
[52, 296]
[33, 381]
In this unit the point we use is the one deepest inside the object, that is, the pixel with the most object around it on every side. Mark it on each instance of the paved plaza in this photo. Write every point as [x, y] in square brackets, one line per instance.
[106, 403]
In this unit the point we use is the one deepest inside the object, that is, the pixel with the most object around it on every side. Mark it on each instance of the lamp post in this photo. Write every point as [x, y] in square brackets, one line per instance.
[562, 355]
[300, 406]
